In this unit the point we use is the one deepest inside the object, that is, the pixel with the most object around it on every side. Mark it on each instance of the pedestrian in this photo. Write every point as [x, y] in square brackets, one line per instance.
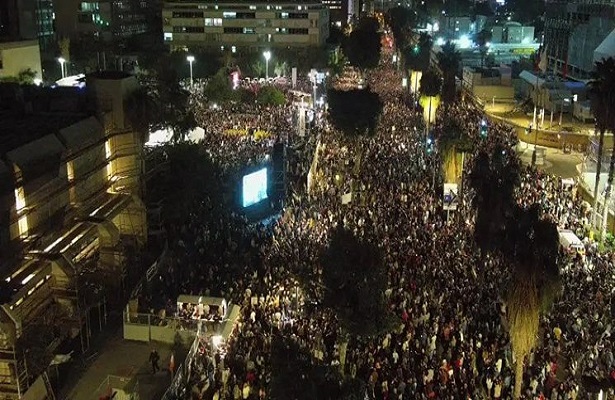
[154, 357]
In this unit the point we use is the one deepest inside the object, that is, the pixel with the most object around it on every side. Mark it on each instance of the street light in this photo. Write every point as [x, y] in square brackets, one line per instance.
[191, 60]
[267, 55]
[61, 60]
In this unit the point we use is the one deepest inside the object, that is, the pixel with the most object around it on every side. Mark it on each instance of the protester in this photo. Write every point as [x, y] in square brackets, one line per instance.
[450, 341]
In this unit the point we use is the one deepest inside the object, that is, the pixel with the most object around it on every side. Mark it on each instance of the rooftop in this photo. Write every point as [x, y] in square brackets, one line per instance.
[18, 129]
[109, 75]
[28, 113]
[241, 2]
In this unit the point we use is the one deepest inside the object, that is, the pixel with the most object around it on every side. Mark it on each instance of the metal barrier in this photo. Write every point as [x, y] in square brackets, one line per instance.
[182, 375]
[151, 271]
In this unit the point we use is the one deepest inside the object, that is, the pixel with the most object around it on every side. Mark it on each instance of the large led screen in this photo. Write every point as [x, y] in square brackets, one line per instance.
[254, 188]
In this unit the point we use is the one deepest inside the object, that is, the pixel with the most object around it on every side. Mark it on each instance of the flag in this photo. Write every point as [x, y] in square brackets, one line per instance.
[542, 60]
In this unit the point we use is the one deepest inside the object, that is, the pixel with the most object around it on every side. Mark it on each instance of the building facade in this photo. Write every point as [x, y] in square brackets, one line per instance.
[254, 25]
[104, 18]
[70, 209]
[26, 20]
[568, 27]
[19, 56]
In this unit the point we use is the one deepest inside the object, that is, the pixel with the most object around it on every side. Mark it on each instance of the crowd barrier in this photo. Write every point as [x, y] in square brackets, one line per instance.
[149, 327]
[183, 372]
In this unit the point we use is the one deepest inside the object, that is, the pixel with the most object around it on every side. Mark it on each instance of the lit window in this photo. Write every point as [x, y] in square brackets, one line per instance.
[108, 157]
[229, 14]
[70, 172]
[168, 36]
[217, 21]
[252, 7]
[20, 199]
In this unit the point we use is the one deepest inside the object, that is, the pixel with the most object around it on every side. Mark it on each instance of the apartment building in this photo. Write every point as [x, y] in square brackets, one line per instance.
[573, 30]
[27, 19]
[253, 25]
[70, 210]
[105, 18]
[19, 56]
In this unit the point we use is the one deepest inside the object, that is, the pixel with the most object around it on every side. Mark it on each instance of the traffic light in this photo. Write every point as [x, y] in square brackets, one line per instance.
[483, 129]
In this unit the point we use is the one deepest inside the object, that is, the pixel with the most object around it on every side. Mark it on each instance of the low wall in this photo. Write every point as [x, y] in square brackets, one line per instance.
[546, 138]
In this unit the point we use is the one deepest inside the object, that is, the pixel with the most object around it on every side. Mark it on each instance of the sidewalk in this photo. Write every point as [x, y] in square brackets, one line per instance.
[524, 120]
[126, 359]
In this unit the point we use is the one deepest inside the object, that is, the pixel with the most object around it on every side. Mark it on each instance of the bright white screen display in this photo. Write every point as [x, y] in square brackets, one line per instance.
[254, 187]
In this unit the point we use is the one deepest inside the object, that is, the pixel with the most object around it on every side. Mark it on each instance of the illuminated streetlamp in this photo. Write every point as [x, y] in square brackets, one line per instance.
[191, 60]
[62, 61]
[267, 55]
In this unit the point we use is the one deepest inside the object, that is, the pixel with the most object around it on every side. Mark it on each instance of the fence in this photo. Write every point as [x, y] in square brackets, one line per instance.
[151, 271]
[182, 375]
[118, 388]
[148, 327]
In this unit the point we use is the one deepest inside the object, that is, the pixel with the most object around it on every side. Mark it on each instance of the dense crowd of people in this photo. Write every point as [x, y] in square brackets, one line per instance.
[450, 341]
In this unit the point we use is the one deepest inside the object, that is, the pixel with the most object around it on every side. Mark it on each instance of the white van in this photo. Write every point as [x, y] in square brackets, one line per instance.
[570, 242]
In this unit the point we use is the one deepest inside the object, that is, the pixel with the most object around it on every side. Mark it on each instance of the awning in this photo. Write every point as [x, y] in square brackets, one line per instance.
[112, 205]
[531, 78]
[81, 134]
[38, 157]
[211, 301]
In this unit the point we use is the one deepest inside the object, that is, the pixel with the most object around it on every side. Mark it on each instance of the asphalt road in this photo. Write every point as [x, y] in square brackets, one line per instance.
[556, 161]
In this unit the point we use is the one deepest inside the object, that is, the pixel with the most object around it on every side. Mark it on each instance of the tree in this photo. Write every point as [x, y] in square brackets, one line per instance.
[270, 96]
[24, 77]
[362, 46]
[354, 112]
[448, 61]
[219, 89]
[431, 83]
[532, 247]
[292, 373]
[191, 176]
[355, 279]
[227, 59]
[142, 112]
[494, 177]
[258, 68]
[453, 142]
[296, 376]
[482, 39]
[400, 19]
[602, 87]
[430, 90]
[172, 100]
[524, 241]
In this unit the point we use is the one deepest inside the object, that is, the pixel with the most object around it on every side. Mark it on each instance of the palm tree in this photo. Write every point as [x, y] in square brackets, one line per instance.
[430, 89]
[494, 177]
[525, 242]
[425, 43]
[532, 248]
[448, 61]
[453, 143]
[602, 97]
[482, 39]
[141, 112]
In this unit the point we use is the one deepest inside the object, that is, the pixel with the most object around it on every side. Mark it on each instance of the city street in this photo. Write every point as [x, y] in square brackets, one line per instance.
[556, 161]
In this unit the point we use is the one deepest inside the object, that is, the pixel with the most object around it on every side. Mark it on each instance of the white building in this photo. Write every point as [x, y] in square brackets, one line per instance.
[253, 25]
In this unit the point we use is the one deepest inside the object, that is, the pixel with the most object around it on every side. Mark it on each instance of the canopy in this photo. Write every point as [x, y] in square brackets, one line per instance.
[211, 301]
